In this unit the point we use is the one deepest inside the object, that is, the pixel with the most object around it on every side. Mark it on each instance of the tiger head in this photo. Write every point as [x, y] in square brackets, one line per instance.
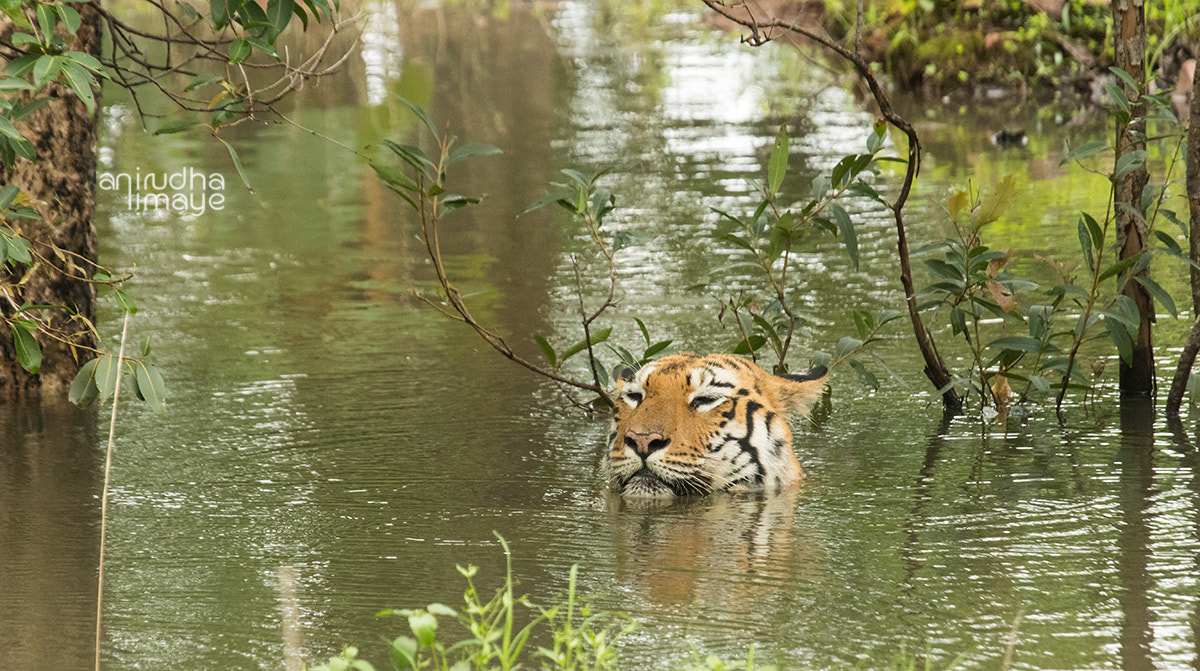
[688, 424]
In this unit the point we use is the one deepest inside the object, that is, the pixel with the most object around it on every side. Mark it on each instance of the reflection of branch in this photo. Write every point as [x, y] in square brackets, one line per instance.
[765, 30]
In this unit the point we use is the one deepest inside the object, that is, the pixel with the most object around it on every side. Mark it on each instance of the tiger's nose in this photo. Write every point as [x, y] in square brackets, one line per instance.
[646, 443]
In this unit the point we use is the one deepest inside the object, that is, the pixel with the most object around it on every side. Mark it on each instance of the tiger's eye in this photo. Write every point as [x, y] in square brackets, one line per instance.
[701, 401]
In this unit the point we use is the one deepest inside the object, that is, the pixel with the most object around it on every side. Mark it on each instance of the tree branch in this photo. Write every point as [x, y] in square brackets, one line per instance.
[764, 31]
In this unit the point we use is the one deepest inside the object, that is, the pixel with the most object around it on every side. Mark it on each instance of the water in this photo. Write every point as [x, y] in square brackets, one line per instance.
[325, 424]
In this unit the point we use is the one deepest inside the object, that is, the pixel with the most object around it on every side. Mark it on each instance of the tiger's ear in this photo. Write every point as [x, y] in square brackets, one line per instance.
[800, 392]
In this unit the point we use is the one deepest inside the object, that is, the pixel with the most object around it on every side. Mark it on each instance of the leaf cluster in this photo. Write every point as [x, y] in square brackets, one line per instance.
[46, 60]
[771, 234]
[1017, 330]
[580, 638]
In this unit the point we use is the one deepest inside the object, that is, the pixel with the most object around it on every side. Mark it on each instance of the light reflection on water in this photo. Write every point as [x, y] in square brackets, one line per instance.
[320, 419]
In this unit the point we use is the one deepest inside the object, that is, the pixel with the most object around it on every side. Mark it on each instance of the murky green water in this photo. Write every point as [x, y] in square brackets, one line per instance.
[324, 424]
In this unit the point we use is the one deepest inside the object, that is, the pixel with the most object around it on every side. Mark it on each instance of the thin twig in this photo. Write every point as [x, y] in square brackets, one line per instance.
[762, 32]
[112, 429]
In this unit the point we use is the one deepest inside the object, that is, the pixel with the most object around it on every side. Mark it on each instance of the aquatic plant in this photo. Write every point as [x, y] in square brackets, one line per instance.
[580, 638]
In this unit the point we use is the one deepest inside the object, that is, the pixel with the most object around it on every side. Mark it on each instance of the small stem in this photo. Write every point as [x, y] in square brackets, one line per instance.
[112, 428]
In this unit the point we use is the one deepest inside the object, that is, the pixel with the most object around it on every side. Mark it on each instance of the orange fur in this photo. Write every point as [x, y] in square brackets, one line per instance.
[691, 424]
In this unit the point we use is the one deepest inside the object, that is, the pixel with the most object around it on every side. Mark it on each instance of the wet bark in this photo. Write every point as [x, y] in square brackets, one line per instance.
[1129, 24]
[1188, 357]
[62, 182]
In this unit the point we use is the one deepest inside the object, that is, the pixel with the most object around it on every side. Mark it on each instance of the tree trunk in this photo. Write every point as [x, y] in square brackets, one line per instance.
[63, 183]
[1188, 357]
[1129, 25]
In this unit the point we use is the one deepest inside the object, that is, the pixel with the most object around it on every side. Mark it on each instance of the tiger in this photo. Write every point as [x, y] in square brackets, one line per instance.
[688, 424]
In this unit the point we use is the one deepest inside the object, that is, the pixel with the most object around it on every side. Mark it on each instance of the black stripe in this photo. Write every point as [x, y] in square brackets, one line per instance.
[752, 408]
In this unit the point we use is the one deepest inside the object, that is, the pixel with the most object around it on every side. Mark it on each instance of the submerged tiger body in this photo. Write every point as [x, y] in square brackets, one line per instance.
[689, 424]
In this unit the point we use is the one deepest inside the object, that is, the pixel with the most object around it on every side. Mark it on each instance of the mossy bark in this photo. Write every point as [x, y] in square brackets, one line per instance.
[62, 183]
[1129, 24]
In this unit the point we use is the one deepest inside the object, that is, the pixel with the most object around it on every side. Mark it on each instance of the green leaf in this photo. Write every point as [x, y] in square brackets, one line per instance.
[561, 196]
[18, 247]
[28, 351]
[863, 323]
[239, 50]
[83, 388]
[598, 337]
[468, 150]
[1086, 245]
[994, 206]
[22, 66]
[127, 304]
[1118, 97]
[656, 348]
[846, 346]
[8, 194]
[416, 109]
[86, 60]
[944, 270]
[839, 171]
[81, 82]
[237, 163]
[1018, 343]
[172, 127]
[777, 167]
[47, 19]
[1129, 162]
[1126, 77]
[750, 345]
[13, 84]
[46, 68]
[70, 18]
[108, 369]
[547, 350]
[424, 627]
[129, 385]
[1120, 267]
[737, 241]
[867, 376]
[1084, 151]
[846, 228]
[279, 13]
[1154, 289]
[150, 385]
[1121, 339]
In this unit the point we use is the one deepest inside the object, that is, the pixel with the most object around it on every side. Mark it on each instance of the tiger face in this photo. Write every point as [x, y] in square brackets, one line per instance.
[688, 424]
